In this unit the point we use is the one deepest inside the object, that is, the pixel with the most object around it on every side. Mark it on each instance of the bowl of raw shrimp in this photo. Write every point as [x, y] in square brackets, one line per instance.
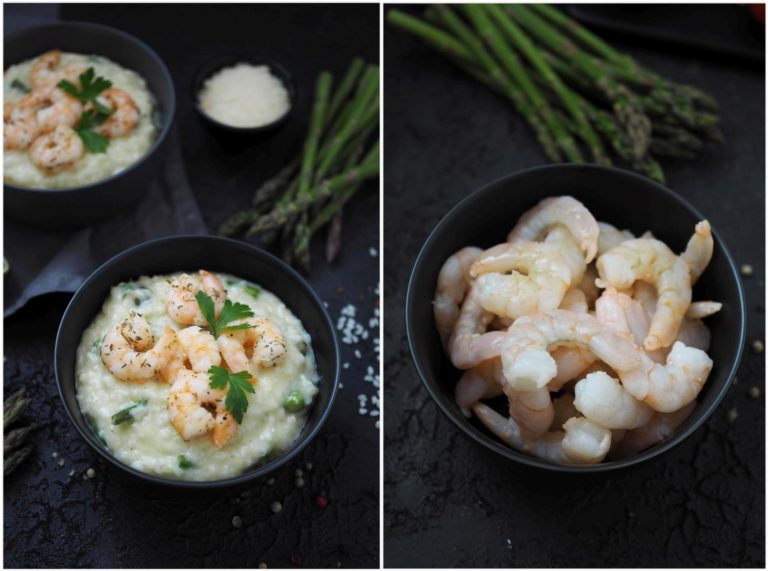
[70, 180]
[576, 318]
[133, 442]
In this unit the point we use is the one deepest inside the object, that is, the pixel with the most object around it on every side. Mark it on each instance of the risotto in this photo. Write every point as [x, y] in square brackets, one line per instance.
[87, 166]
[164, 423]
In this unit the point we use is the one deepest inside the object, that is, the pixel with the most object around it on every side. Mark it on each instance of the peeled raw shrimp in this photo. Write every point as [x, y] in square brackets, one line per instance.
[581, 442]
[702, 309]
[479, 382]
[532, 410]
[262, 345]
[541, 286]
[626, 316]
[524, 350]
[668, 387]
[603, 400]
[180, 301]
[125, 113]
[46, 70]
[587, 284]
[610, 236]
[660, 427]
[469, 344]
[128, 351]
[56, 151]
[564, 210]
[562, 239]
[196, 409]
[694, 333]
[452, 285]
[571, 361]
[575, 300]
[200, 348]
[652, 261]
[698, 252]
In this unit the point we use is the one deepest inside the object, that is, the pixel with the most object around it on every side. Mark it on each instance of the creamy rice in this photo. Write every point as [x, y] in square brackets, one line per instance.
[150, 443]
[122, 151]
[244, 95]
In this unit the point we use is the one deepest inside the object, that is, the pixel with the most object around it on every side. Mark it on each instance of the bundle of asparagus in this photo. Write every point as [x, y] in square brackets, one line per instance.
[14, 453]
[340, 152]
[575, 91]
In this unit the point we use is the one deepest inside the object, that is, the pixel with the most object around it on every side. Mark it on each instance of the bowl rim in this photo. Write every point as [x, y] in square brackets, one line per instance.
[259, 472]
[233, 57]
[168, 116]
[506, 451]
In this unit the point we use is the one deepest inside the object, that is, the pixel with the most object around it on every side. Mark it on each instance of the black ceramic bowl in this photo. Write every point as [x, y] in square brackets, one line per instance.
[76, 206]
[618, 197]
[191, 253]
[211, 67]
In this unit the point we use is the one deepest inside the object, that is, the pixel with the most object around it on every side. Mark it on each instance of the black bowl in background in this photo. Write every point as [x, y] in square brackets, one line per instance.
[618, 197]
[71, 207]
[253, 58]
[191, 253]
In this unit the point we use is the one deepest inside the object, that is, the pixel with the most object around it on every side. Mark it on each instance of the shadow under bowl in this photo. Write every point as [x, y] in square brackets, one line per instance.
[618, 197]
[191, 253]
[208, 69]
[77, 206]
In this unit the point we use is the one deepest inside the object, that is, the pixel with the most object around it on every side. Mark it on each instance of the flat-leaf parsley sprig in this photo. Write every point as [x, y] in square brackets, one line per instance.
[236, 400]
[88, 93]
[230, 312]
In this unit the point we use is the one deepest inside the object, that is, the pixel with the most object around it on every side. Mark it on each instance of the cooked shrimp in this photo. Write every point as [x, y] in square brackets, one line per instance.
[20, 128]
[469, 344]
[564, 210]
[52, 106]
[541, 286]
[702, 309]
[127, 350]
[660, 427]
[603, 400]
[45, 72]
[175, 358]
[125, 113]
[262, 345]
[667, 388]
[698, 252]
[652, 261]
[56, 151]
[524, 350]
[181, 303]
[581, 442]
[610, 236]
[200, 348]
[452, 285]
[196, 409]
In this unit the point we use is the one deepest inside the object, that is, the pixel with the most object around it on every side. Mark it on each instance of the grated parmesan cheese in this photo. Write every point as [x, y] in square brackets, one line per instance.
[244, 95]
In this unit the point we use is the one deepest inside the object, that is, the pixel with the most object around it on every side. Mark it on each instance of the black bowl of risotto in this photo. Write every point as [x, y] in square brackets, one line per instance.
[620, 198]
[98, 170]
[139, 424]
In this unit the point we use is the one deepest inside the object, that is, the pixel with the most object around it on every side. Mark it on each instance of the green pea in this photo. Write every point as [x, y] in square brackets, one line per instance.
[294, 402]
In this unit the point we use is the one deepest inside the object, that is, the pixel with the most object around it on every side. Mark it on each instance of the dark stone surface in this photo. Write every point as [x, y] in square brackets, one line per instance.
[53, 520]
[449, 503]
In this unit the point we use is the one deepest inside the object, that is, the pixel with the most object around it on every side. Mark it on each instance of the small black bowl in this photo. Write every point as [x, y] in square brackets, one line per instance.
[618, 197]
[220, 62]
[71, 207]
[191, 253]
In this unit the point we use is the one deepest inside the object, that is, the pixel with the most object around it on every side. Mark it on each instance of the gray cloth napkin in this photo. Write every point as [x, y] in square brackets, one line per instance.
[44, 262]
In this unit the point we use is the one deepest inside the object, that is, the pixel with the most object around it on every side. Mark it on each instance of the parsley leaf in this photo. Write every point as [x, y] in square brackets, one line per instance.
[20, 85]
[90, 88]
[236, 400]
[184, 463]
[125, 414]
[94, 142]
[230, 312]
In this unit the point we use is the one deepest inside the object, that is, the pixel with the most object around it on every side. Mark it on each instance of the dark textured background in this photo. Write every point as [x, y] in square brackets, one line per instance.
[450, 503]
[52, 520]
